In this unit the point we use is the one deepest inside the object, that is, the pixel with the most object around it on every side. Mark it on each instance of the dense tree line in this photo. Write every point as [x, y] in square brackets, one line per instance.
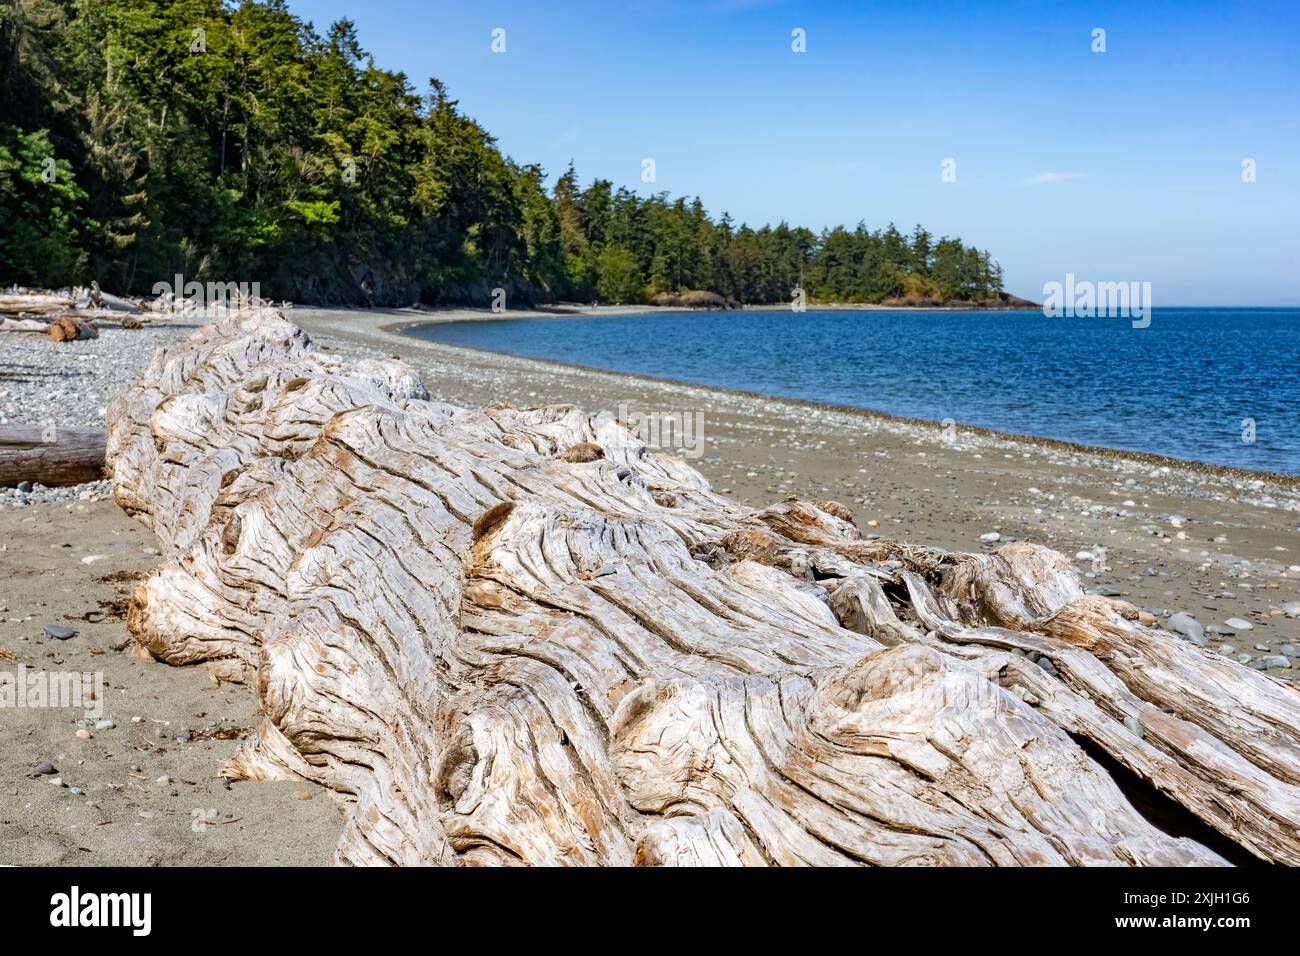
[140, 139]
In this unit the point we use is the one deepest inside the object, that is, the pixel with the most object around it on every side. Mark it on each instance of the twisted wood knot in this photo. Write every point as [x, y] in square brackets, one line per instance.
[490, 520]
[583, 451]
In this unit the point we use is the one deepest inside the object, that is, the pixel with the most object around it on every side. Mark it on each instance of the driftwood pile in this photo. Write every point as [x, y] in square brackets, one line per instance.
[70, 314]
[67, 315]
[520, 636]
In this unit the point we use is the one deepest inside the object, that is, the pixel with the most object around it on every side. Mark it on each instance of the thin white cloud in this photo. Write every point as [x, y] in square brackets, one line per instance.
[1039, 179]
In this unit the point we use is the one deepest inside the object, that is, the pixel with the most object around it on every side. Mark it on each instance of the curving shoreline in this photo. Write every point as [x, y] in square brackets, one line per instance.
[396, 332]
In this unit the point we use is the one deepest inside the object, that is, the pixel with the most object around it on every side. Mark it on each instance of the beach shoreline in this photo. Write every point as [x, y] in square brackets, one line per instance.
[1150, 458]
[438, 314]
[396, 333]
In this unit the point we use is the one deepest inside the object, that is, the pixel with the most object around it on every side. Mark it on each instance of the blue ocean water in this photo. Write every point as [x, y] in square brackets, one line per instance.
[1183, 386]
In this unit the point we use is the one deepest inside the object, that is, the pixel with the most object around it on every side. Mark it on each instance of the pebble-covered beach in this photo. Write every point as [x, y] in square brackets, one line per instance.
[69, 384]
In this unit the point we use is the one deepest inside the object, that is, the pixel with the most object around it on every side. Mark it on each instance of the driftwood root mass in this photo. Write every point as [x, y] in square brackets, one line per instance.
[521, 636]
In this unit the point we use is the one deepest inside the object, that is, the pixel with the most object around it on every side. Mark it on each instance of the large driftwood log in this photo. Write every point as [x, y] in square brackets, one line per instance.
[37, 301]
[24, 325]
[520, 636]
[51, 456]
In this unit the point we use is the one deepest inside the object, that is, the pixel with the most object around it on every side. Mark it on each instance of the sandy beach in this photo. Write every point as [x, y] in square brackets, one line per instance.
[1167, 537]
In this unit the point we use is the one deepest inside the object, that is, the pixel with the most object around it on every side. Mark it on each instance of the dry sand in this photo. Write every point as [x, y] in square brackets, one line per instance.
[124, 814]
[1176, 538]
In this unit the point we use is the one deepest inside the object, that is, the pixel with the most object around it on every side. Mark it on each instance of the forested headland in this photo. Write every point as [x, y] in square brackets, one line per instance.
[141, 139]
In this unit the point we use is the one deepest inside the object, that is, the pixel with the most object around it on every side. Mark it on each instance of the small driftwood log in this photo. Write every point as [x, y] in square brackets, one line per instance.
[520, 636]
[51, 456]
[108, 303]
[69, 328]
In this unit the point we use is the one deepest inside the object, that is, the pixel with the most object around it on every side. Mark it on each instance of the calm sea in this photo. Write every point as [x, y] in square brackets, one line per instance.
[1190, 385]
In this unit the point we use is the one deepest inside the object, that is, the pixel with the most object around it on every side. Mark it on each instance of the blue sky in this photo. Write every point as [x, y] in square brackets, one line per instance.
[1123, 165]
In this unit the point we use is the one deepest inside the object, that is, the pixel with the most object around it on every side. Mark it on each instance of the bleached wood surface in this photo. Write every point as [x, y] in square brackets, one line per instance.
[520, 636]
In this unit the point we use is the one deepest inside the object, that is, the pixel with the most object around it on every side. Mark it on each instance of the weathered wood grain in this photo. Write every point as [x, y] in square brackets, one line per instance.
[521, 636]
[51, 456]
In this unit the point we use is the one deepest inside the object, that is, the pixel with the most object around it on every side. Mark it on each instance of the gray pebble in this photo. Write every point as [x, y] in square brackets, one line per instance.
[43, 769]
[1272, 660]
[1188, 626]
[58, 632]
